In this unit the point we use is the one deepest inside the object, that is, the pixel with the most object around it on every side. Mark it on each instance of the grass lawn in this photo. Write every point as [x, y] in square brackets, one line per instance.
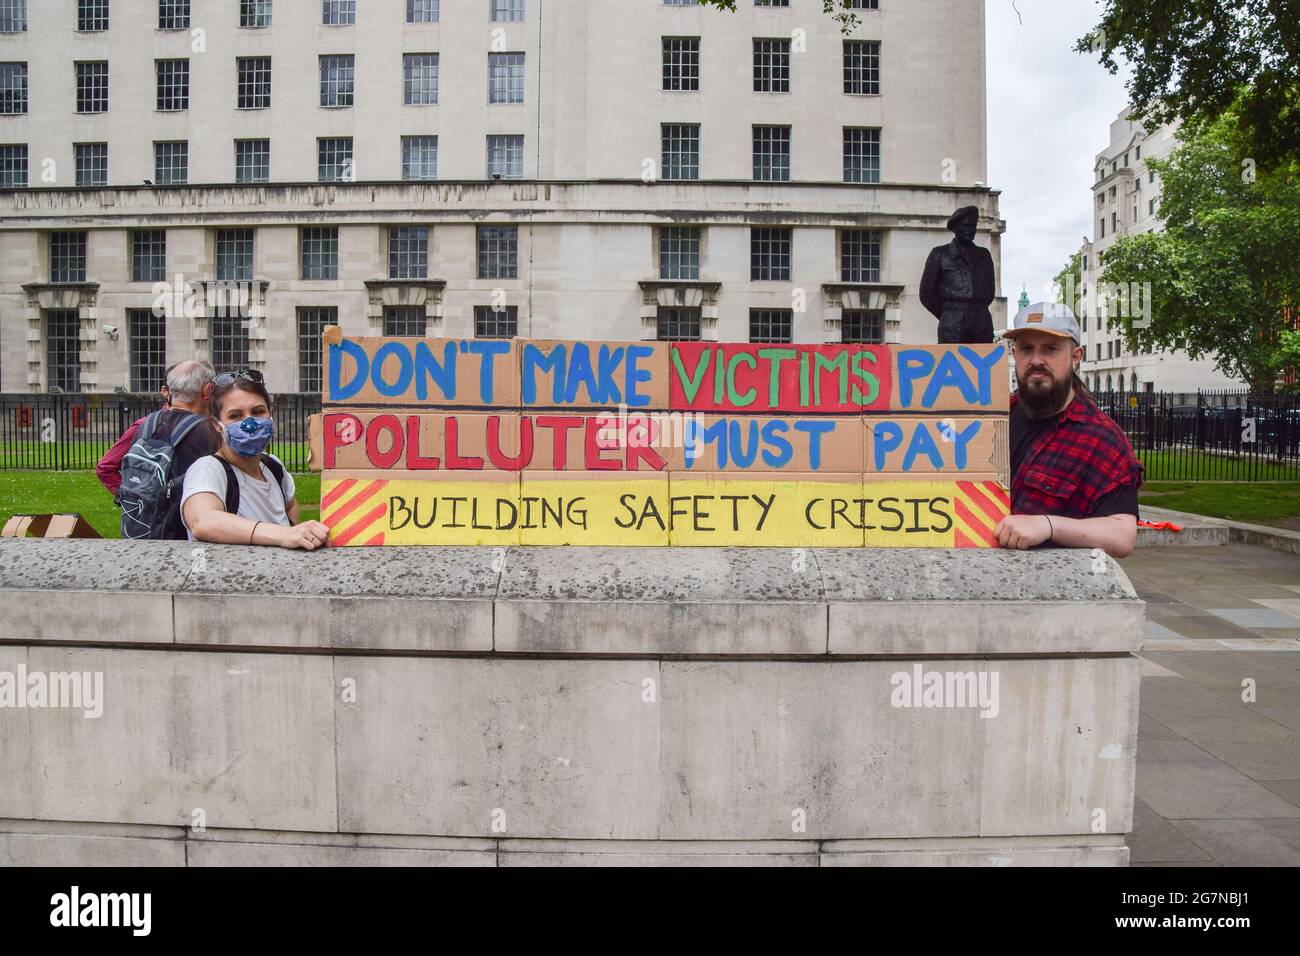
[1274, 503]
[66, 492]
[1191, 465]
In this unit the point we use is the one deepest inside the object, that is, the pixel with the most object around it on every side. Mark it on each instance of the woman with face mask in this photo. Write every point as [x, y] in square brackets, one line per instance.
[242, 495]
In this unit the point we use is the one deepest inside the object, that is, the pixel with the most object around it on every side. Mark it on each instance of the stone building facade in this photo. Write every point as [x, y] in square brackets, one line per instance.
[544, 168]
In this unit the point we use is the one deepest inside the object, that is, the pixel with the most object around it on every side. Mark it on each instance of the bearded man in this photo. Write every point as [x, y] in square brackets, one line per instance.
[1074, 477]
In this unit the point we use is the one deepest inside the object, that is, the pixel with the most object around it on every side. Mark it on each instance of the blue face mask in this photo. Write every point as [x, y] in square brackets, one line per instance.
[249, 436]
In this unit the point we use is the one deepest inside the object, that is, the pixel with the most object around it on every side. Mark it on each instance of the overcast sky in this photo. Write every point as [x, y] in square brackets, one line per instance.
[1049, 112]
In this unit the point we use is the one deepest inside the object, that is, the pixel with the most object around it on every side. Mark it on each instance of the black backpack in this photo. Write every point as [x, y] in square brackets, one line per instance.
[148, 472]
[172, 522]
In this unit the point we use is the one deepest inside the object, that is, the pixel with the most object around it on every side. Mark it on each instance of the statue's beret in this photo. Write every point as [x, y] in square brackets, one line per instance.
[965, 212]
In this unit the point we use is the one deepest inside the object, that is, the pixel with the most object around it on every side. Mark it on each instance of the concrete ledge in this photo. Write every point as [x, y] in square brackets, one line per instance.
[568, 601]
[1279, 539]
[58, 843]
[514, 707]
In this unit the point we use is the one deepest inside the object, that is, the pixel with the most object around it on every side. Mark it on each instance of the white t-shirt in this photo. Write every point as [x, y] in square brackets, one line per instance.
[258, 500]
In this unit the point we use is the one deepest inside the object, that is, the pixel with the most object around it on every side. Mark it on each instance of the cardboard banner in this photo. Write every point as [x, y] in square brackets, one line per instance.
[745, 379]
[542, 442]
[711, 510]
[656, 442]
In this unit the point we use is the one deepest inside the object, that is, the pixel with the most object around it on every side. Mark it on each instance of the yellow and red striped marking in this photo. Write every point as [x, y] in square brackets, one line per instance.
[979, 507]
[351, 508]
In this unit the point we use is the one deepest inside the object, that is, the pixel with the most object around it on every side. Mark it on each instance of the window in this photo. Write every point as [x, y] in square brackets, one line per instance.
[337, 73]
[13, 88]
[505, 157]
[862, 67]
[679, 252]
[229, 343]
[320, 252]
[147, 342]
[334, 160]
[861, 154]
[419, 157]
[13, 166]
[1101, 201]
[772, 66]
[255, 14]
[498, 252]
[421, 11]
[148, 255]
[171, 163]
[1112, 193]
[408, 252]
[254, 82]
[92, 16]
[1101, 228]
[420, 79]
[91, 160]
[681, 150]
[173, 14]
[771, 325]
[1151, 207]
[311, 326]
[772, 154]
[677, 324]
[92, 86]
[234, 255]
[859, 255]
[507, 11]
[173, 84]
[67, 257]
[505, 77]
[681, 63]
[769, 254]
[338, 12]
[862, 326]
[1151, 176]
[405, 320]
[13, 16]
[1114, 222]
[1138, 154]
[492, 323]
[252, 160]
[771, 3]
[63, 350]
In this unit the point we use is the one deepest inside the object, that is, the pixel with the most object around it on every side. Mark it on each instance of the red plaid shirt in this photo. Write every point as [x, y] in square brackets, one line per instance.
[1071, 466]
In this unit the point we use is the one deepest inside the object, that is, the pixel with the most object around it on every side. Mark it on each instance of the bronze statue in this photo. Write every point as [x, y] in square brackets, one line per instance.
[957, 284]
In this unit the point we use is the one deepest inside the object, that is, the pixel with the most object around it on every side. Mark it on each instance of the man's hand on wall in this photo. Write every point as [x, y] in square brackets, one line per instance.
[1023, 531]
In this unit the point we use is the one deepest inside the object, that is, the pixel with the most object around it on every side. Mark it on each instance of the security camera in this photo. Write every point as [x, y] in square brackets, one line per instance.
[111, 331]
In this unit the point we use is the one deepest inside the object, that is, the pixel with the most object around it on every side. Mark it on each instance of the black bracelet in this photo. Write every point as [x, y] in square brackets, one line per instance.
[253, 532]
[1051, 531]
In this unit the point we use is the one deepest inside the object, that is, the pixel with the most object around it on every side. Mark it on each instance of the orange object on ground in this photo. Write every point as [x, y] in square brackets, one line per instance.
[1159, 525]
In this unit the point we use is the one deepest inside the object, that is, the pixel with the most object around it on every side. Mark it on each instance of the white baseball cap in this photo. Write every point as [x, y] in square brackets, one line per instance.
[1054, 318]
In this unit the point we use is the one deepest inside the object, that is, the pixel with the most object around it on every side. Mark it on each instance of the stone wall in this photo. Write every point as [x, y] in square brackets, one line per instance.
[524, 706]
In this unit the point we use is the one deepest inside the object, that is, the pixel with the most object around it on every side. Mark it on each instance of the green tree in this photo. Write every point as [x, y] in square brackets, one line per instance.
[1226, 268]
[842, 10]
[1193, 59]
[1068, 286]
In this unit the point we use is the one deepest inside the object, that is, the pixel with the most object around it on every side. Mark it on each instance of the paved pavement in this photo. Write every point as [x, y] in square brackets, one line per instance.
[1218, 762]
